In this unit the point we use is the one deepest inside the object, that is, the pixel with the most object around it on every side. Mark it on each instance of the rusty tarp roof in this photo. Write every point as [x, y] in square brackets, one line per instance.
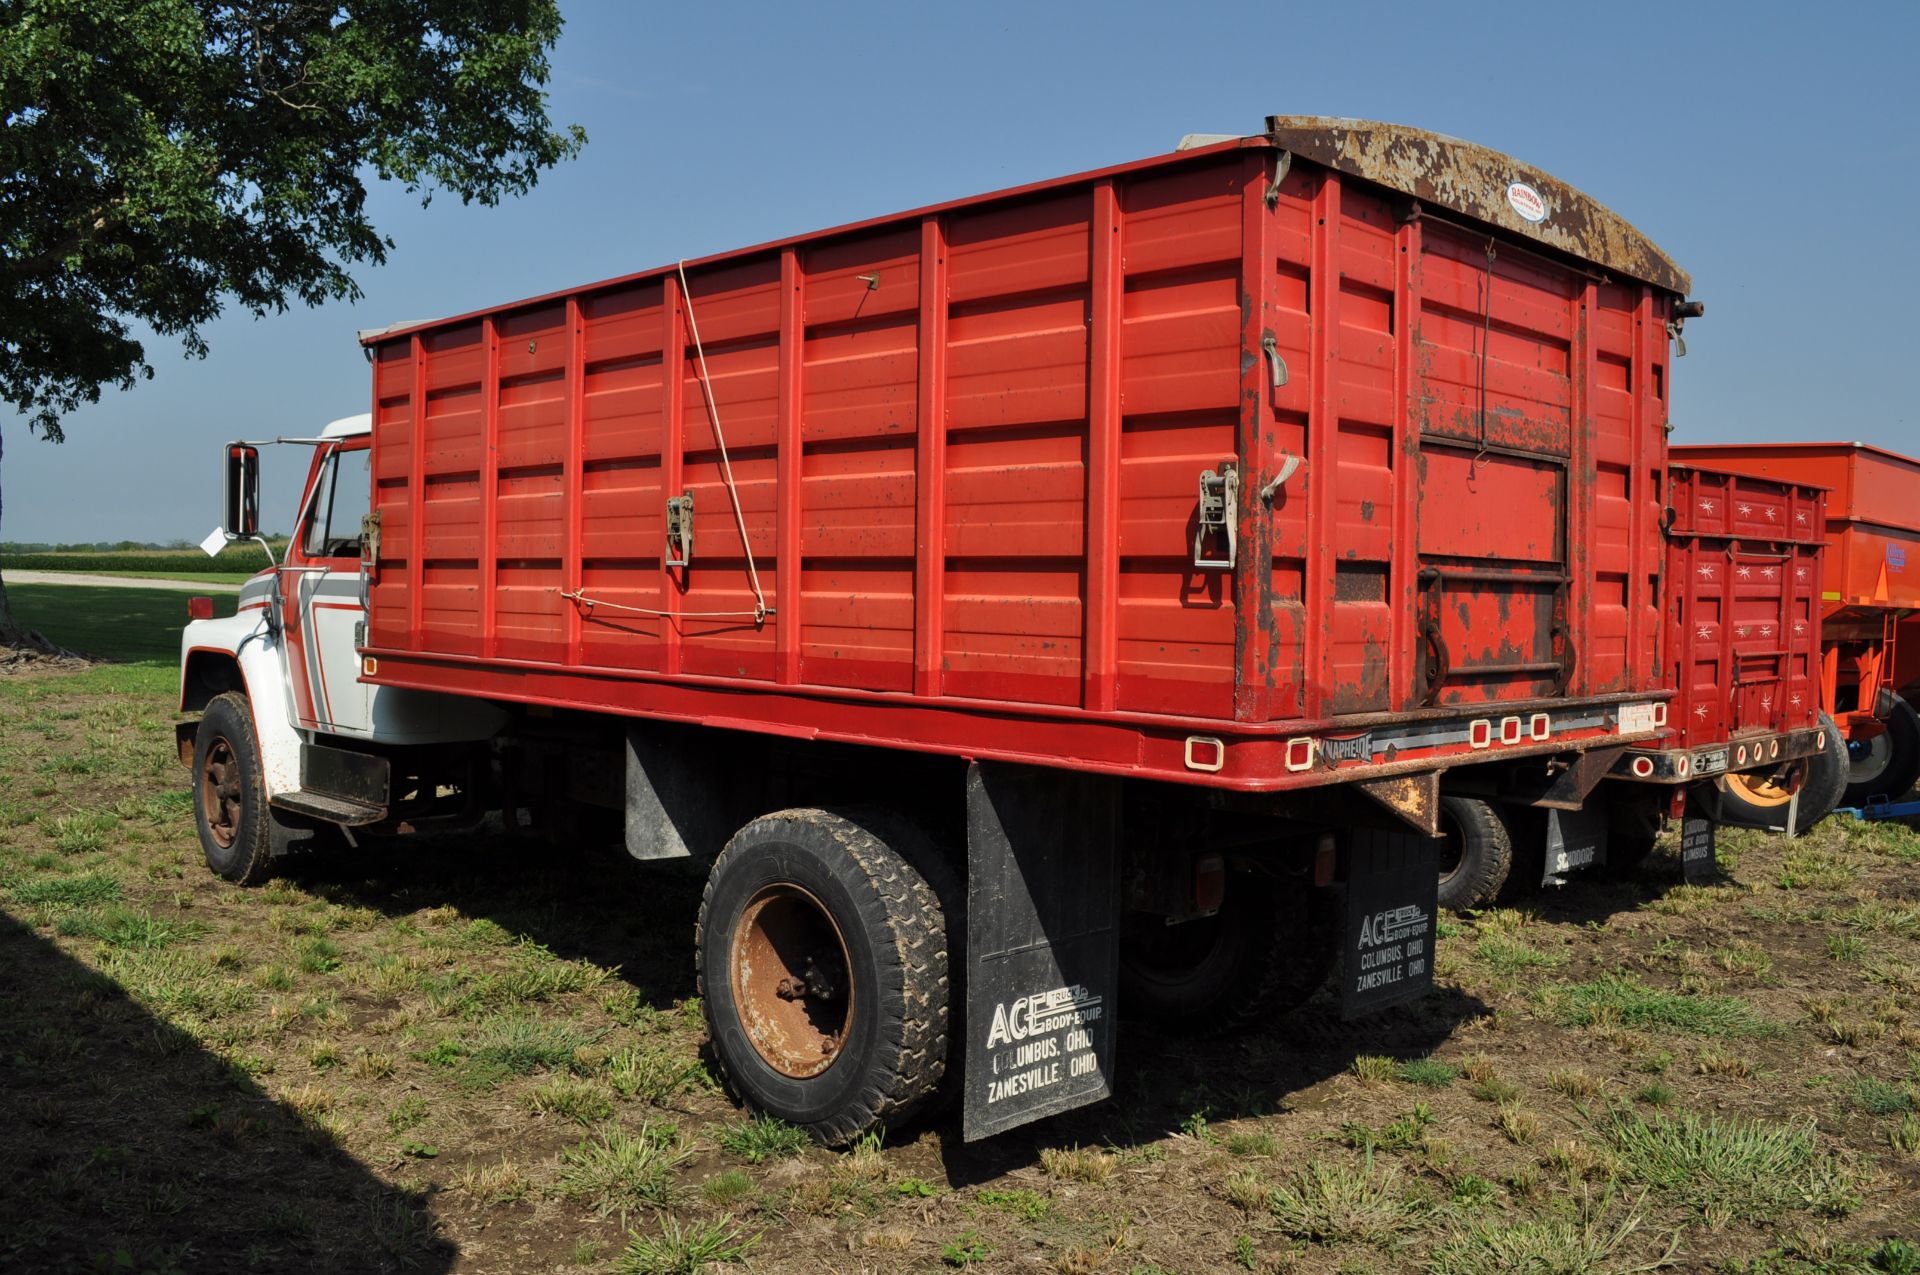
[1483, 184]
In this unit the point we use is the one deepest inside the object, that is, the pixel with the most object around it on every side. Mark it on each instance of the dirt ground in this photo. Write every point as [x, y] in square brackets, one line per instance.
[474, 1055]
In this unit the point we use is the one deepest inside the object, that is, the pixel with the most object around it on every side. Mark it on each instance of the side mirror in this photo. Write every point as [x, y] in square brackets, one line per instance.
[241, 518]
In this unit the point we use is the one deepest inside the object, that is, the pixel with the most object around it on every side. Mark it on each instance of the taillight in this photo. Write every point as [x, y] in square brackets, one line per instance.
[1209, 883]
[199, 608]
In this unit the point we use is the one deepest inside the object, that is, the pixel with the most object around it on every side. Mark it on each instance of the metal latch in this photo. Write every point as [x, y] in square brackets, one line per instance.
[370, 541]
[679, 530]
[1219, 515]
[1271, 344]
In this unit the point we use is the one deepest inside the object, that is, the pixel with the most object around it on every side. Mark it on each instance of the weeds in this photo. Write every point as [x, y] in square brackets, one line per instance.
[502, 1182]
[1634, 1004]
[964, 1249]
[1520, 1125]
[615, 1172]
[763, 1138]
[1373, 1069]
[1588, 1240]
[1879, 1097]
[685, 1249]
[729, 1187]
[75, 891]
[1089, 1165]
[1432, 1073]
[517, 1044]
[1507, 957]
[570, 1098]
[1726, 1166]
[1334, 1201]
[653, 1075]
[1028, 1206]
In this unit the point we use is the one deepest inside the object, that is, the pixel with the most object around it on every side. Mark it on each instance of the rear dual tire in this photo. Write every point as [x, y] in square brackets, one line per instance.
[1266, 951]
[1476, 853]
[825, 971]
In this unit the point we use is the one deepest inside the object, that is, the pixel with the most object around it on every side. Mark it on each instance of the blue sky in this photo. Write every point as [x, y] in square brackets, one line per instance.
[1771, 149]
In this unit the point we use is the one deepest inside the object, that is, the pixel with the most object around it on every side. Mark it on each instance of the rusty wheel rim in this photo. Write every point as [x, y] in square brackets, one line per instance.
[220, 792]
[791, 981]
[1759, 790]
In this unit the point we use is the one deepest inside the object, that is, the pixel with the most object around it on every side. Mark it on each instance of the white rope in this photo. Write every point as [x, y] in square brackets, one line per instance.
[591, 603]
[760, 610]
[726, 466]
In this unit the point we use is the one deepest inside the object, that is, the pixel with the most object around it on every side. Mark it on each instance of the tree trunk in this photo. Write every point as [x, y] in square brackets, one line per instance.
[12, 634]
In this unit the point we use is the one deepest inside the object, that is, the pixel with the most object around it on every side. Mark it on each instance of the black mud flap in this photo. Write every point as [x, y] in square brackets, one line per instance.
[1697, 859]
[1576, 839]
[1043, 908]
[1392, 885]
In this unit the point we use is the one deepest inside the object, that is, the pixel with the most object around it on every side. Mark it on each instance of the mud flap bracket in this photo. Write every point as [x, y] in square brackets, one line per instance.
[1414, 798]
[1043, 909]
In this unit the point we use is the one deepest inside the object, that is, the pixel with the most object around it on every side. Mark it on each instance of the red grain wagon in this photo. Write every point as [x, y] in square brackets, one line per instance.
[1185, 544]
[1870, 677]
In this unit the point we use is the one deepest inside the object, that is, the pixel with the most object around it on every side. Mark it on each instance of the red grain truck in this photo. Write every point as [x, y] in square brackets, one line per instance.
[1870, 639]
[1082, 596]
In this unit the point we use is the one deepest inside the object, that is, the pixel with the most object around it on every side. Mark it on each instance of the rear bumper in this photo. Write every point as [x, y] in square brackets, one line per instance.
[1749, 752]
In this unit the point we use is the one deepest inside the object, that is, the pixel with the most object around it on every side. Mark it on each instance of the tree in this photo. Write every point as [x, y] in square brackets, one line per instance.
[162, 158]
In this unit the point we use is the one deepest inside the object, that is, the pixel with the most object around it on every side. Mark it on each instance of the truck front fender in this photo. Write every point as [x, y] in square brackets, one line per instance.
[241, 653]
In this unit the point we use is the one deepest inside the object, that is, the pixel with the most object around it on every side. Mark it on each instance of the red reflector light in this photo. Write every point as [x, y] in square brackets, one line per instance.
[1209, 883]
[1642, 766]
[199, 608]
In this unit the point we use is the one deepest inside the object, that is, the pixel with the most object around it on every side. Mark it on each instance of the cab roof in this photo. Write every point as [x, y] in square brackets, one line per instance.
[348, 426]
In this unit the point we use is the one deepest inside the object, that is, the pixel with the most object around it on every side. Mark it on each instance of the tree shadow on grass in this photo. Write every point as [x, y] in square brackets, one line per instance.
[127, 1146]
[590, 903]
[600, 906]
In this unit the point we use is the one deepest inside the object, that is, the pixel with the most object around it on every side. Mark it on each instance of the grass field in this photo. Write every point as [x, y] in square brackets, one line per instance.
[136, 626]
[469, 1054]
[239, 560]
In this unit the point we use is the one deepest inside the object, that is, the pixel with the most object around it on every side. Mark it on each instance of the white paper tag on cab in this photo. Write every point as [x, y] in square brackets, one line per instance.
[216, 541]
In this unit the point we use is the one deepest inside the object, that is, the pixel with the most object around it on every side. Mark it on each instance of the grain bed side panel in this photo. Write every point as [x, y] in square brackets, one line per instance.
[934, 415]
[967, 445]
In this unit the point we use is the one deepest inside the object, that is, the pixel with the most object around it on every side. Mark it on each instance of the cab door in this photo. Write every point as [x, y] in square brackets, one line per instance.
[324, 596]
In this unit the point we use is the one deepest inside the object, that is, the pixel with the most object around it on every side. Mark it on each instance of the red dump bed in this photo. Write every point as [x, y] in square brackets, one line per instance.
[969, 445]
[1744, 578]
[1873, 511]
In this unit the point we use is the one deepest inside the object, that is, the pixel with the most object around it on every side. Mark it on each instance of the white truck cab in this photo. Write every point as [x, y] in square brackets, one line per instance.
[291, 738]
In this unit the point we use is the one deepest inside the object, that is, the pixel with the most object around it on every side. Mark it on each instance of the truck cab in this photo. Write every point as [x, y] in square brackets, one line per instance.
[285, 671]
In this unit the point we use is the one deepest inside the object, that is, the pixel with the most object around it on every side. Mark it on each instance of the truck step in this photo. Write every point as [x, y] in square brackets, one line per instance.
[319, 805]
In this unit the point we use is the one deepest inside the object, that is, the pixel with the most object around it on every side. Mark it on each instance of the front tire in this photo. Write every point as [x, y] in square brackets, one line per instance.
[823, 970]
[229, 798]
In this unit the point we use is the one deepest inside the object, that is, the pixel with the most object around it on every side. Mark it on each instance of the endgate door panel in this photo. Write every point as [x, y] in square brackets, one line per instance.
[1494, 343]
